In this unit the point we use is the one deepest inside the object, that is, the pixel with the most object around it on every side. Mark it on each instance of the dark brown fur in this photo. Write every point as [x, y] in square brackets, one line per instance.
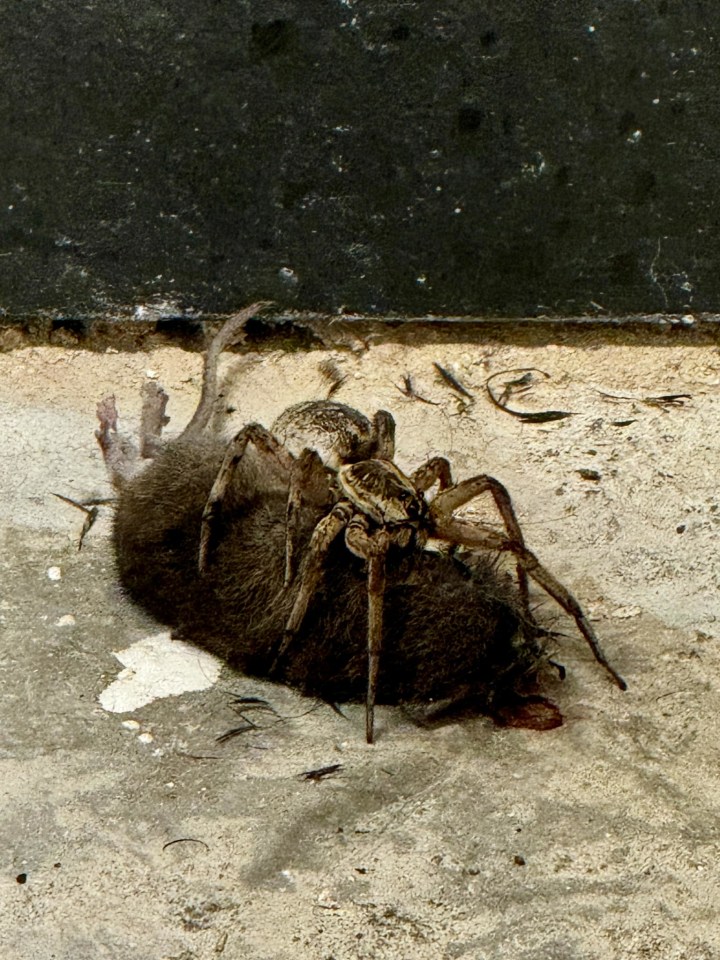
[451, 629]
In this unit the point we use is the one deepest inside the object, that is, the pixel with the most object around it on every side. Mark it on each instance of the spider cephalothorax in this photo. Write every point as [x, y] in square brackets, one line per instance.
[383, 493]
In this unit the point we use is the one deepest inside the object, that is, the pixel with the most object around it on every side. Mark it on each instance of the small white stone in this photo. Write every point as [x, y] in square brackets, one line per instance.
[54, 573]
[152, 374]
[131, 725]
[624, 613]
[146, 738]
[327, 901]
[67, 620]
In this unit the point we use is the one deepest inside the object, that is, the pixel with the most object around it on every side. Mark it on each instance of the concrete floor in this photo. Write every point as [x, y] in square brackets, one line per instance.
[136, 834]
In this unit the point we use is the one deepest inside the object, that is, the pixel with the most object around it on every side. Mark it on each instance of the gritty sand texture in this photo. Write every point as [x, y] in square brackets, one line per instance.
[593, 841]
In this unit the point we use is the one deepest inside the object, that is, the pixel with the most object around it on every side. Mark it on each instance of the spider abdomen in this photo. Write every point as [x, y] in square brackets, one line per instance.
[337, 432]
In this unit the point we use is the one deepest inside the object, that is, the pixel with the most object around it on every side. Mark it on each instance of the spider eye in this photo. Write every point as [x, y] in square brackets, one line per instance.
[414, 508]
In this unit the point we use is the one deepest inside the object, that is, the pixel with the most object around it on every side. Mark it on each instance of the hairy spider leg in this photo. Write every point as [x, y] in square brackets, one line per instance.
[448, 501]
[229, 333]
[322, 538]
[474, 536]
[435, 470]
[268, 445]
[384, 435]
[308, 482]
[373, 547]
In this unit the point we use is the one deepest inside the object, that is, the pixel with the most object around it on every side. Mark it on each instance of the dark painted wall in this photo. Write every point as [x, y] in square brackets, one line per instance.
[510, 157]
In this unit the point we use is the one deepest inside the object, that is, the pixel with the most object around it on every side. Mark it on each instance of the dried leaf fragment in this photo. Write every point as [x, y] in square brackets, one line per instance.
[520, 386]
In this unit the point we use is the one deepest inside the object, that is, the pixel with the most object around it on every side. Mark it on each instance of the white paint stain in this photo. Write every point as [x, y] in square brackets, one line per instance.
[157, 667]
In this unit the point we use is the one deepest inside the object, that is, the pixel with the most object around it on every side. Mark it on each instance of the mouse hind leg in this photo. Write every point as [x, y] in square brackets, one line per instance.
[121, 453]
[152, 419]
[123, 457]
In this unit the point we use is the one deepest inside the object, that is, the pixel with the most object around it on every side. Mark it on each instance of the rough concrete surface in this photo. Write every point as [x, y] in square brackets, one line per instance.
[595, 840]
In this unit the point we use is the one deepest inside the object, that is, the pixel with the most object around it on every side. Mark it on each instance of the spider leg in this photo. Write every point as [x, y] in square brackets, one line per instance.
[447, 501]
[308, 482]
[322, 537]
[384, 435]
[373, 547]
[229, 333]
[266, 443]
[473, 536]
[437, 469]
[152, 419]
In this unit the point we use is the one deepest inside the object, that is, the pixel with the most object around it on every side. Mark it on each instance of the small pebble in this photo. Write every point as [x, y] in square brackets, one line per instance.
[131, 724]
[146, 738]
[327, 901]
[67, 620]
[625, 613]
[54, 573]
[588, 474]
